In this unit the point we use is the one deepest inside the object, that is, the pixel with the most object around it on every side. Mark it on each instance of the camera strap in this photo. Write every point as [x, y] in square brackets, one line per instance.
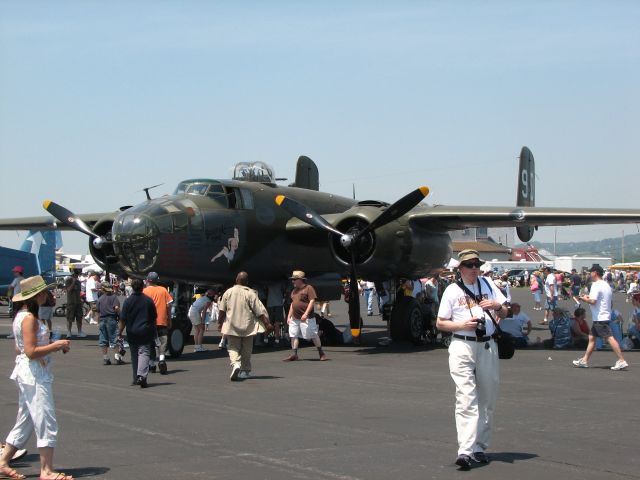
[478, 299]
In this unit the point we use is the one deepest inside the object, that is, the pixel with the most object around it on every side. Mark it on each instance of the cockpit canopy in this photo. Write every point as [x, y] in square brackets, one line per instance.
[254, 172]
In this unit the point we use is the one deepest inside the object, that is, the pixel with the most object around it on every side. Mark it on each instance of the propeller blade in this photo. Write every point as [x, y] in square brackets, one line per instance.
[397, 209]
[68, 218]
[304, 213]
[355, 322]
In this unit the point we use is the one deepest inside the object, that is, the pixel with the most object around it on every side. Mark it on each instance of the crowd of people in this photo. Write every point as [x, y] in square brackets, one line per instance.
[473, 305]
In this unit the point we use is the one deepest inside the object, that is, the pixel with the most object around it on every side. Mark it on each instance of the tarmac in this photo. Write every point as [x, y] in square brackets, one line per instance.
[372, 412]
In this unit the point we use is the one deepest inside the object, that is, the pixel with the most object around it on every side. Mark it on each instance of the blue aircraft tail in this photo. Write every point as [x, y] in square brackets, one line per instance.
[43, 245]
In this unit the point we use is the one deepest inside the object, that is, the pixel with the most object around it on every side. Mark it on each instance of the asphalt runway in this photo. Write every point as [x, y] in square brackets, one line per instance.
[372, 412]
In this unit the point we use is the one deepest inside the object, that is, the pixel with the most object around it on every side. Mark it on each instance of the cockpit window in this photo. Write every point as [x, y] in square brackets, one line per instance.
[197, 189]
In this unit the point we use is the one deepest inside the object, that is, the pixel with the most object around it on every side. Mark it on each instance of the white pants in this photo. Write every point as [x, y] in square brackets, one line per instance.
[475, 371]
[36, 410]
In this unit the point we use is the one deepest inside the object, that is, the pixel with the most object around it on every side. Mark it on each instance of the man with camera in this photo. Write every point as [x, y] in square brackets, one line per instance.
[466, 309]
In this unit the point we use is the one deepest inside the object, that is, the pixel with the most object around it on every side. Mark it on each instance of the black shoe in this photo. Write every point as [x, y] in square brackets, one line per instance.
[480, 457]
[163, 367]
[120, 361]
[464, 462]
[142, 381]
[152, 369]
[106, 361]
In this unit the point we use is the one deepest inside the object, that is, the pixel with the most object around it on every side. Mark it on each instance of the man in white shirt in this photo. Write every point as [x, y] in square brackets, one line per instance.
[550, 288]
[91, 297]
[599, 299]
[465, 310]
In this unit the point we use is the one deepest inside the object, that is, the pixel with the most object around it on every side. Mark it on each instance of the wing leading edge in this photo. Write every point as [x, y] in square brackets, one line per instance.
[45, 223]
[441, 217]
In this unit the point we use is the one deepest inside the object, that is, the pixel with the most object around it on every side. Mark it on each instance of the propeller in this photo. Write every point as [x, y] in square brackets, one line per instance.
[350, 240]
[71, 220]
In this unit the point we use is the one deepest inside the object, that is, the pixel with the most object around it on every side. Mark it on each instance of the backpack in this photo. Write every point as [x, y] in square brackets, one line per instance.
[561, 332]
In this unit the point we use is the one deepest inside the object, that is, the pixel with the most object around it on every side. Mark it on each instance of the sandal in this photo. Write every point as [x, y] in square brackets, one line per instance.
[12, 474]
[59, 476]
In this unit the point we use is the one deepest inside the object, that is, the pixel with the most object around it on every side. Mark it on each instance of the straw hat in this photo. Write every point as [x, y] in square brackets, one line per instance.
[297, 274]
[30, 287]
[469, 254]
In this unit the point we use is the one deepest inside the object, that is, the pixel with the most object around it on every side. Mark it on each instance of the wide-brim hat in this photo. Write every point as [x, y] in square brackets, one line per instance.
[469, 254]
[30, 287]
[106, 286]
[297, 275]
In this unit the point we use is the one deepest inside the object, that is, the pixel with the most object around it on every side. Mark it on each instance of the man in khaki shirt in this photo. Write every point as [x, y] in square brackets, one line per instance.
[241, 317]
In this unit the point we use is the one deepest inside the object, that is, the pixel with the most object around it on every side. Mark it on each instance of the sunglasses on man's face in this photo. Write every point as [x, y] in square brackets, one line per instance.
[471, 264]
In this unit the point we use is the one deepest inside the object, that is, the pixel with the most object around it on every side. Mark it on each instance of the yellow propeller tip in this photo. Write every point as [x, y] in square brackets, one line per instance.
[280, 199]
[355, 332]
[424, 190]
[46, 204]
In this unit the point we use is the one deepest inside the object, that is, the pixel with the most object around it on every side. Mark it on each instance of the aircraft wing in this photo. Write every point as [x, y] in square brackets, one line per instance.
[46, 222]
[442, 217]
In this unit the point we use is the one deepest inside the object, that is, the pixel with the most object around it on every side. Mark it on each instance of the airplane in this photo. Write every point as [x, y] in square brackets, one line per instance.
[37, 256]
[208, 230]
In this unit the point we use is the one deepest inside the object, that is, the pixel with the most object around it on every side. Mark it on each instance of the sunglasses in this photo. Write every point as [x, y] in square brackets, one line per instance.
[470, 264]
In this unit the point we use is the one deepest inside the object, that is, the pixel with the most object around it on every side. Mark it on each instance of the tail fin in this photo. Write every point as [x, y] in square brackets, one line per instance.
[526, 190]
[307, 175]
[43, 244]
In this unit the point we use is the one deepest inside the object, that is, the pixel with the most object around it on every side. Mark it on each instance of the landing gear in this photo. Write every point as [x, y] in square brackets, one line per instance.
[180, 323]
[411, 321]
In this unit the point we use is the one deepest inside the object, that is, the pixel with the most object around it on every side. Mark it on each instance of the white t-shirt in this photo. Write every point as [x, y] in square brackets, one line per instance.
[550, 280]
[601, 293]
[459, 307]
[91, 294]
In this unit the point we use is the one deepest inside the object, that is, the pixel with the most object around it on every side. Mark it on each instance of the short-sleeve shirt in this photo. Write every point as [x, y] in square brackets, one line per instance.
[457, 306]
[550, 280]
[72, 285]
[107, 305]
[243, 308]
[16, 285]
[514, 324]
[161, 299]
[601, 293]
[300, 299]
[90, 289]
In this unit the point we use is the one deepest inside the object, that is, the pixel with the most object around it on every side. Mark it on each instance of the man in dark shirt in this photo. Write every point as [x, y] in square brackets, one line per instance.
[74, 303]
[576, 283]
[138, 315]
[108, 308]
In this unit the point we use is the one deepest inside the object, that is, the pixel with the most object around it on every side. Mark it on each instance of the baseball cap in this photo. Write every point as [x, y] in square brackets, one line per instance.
[17, 269]
[153, 277]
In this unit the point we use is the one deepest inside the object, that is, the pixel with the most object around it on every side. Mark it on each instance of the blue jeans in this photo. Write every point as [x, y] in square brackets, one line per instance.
[108, 332]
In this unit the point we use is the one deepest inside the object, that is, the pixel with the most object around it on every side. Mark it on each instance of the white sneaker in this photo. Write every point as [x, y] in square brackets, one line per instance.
[580, 363]
[221, 344]
[620, 365]
[69, 334]
[82, 334]
[93, 322]
[235, 371]
[244, 375]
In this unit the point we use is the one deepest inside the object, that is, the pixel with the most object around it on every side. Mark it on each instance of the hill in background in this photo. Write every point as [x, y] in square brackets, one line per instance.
[608, 247]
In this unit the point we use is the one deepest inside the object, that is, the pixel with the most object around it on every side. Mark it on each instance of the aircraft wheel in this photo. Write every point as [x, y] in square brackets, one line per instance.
[446, 340]
[407, 321]
[60, 312]
[176, 342]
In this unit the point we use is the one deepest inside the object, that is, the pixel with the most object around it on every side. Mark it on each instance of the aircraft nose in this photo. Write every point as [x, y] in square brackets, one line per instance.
[135, 237]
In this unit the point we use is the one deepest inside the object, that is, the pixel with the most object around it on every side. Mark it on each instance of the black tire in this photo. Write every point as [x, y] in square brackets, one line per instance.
[407, 321]
[60, 312]
[176, 342]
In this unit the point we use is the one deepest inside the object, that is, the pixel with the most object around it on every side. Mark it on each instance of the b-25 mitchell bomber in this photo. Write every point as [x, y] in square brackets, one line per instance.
[208, 230]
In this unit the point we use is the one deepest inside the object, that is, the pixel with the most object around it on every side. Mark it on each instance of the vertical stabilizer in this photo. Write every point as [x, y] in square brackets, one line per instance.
[307, 175]
[526, 190]
[43, 245]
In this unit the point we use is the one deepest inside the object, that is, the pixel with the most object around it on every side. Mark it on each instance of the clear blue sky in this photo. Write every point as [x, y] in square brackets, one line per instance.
[99, 99]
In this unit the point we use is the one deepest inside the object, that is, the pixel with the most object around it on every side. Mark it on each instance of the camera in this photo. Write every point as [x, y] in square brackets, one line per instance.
[481, 330]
